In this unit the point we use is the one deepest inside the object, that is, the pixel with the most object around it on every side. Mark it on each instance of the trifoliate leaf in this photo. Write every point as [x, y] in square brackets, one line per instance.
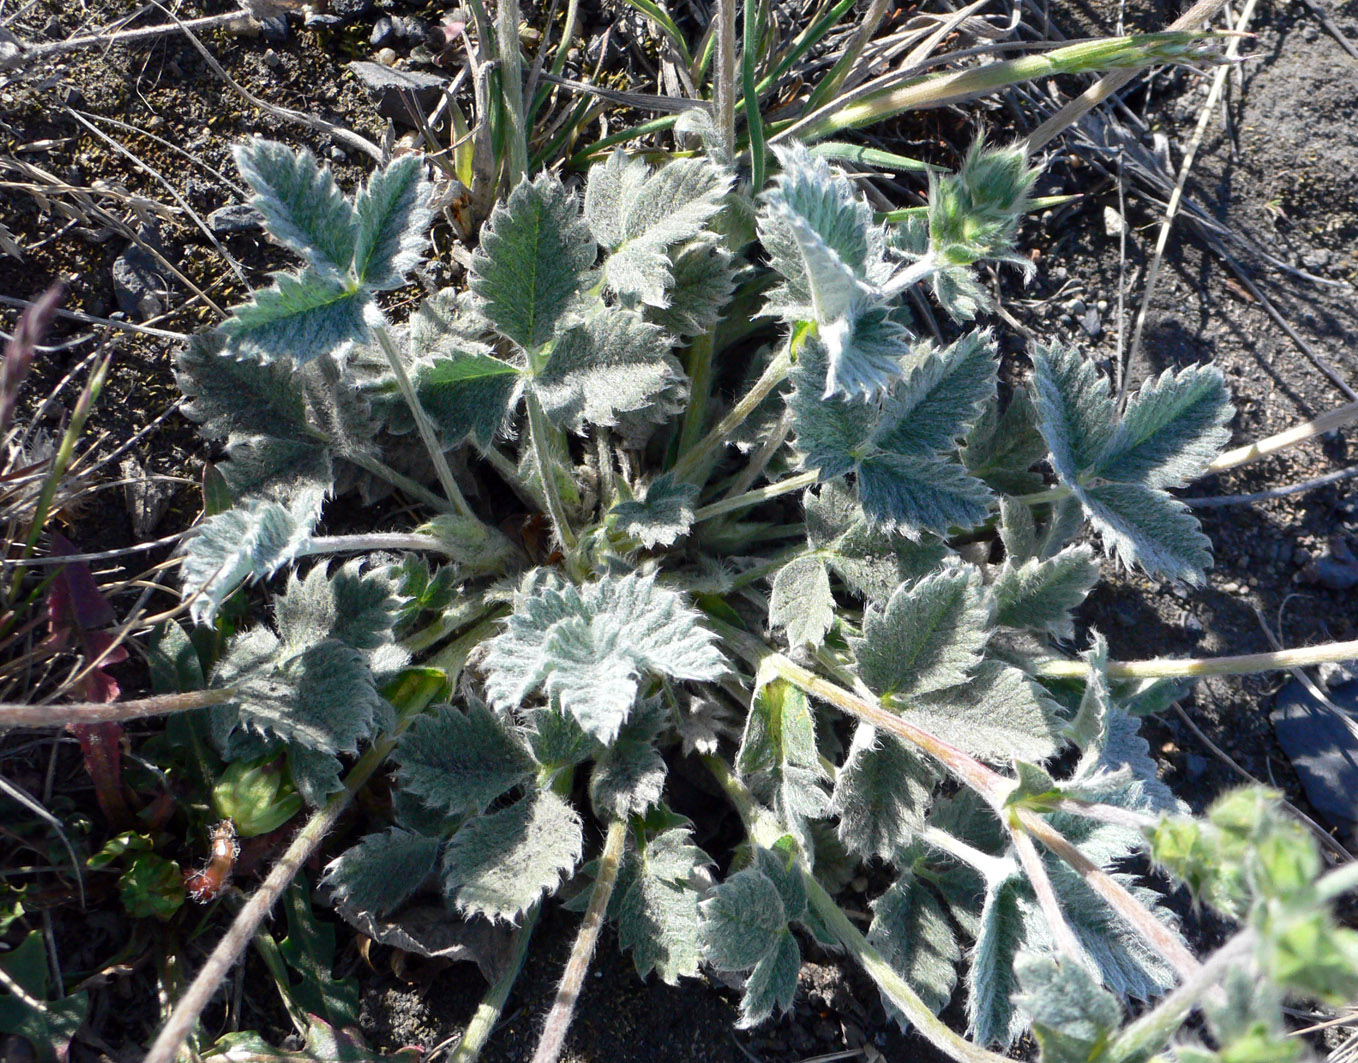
[928, 636]
[656, 910]
[662, 516]
[393, 216]
[881, 794]
[303, 316]
[997, 714]
[251, 541]
[1002, 448]
[912, 932]
[498, 865]
[379, 873]
[801, 602]
[1074, 409]
[917, 495]
[1149, 528]
[772, 984]
[461, 762]
[302, 207]
[1074, 1018]
[238, 397]
[1040, 594]
[932, 408]
[629, 774]
[467, 395]
[534, 253]
[743, 919]
[587, 647]
[704, 275]
[322, 697]
[779, 759]
[613, 364]
[1174, 427]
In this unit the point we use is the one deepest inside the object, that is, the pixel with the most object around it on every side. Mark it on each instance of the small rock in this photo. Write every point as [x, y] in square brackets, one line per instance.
[236, 218]
[274, 29]
[1077, 307]
[72, 97]
[386, 56]
[416, 29]
[139, 281]
[1193, 626]
[390, 86]
[271, 59]
[349, 9]
[53, 30]
[1317, 259]
[1333, 574]
[337, 154]
[1092, 322]
[384, 32]
[1322, 748]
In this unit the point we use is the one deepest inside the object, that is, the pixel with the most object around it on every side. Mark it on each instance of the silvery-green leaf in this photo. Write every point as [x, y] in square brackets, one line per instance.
[991, 982]
[301, 317]
[663, 516]
[831, 431]
[1041, 594]
[556, 740]
[932, 408]
[872, 561]
[1002, 448]
[881, 794]
[917, 495]
[1018, 532]
[302, 207]
[704, 275]
[587, 647]
[743, 919]
[1148, 528]
[865, 348]
[355, 606]
[1067, 518]
[1075, 411]
[232, 396]
[801, 602]
[612, 185]
[629, 774]
[1074, 1018]
[998, 714]
[613, 364]
[461, 762]
[379, 873]
[1174, 427]
[656, 906]
[534, 254]
[912, 932]
[467, 395]
[265, 469]
[778, 756]
[250, 541]
[959, 292]
[316, 773]
[781, 866]
[393, 216]
[928, 636]
[772, 984]
[322, 697]
[499, 865]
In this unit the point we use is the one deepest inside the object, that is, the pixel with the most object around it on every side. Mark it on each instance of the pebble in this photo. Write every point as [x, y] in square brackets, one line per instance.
[53, 29]
[386, 56]
[389, 85]
[139, 282]
[235, 218]
[1092, 322]
[271, 59]
[337, 154]
[1077, 307]
[384, 32]
[349, 9]
[274, 29]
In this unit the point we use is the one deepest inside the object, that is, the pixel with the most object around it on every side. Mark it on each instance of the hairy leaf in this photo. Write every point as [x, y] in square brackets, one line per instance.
[302, 207]
[918, 495]
[656, 906]
[1002, 448]
[704, 275]
[912, 932]
[938, 402]
[318, 774]
[743, 919]
[778, 756]
[534, 254]
[801, 602]
[997, 714]
[379, 873]
[498, 865]
[662, 517]
[991, 981]
[1146, 527]
[1040, 594]
[467, 395]
[393, 216]
[629, 774]
[231, 396]
[881, 794]
[355, 606]
[928, 636]
[1074, 409]
[772, 984]
[301, 317]
[871, 560]
[1074, 1019]
[461, 762]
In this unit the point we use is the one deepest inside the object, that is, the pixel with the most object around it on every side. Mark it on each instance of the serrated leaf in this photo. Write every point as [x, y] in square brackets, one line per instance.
[231, 396]
[991, 981]
[1018, 532]
[393, 216]
[612, 185]
[1145, 527]
[302, 207]
[498, 865]
[316, 773]
[871, 560]
[629, 774]
[997, 714]
[931, 409]
[657, 911]
[914, 495]
[833, 432]
[801, 602]
[467, 395]
[556, 740]
[587, 647]
[534, 254]
[1174, 427]
[663, 516]
[704, 275]
[928, 636]
[772, 984]
[1041, 594]
[379, 873]
[461, 762]
[354, 606]
[613, 364]
[881, 794]
[1074, 408]
[779, 759]
[912, 932]
[301, 317]
[323, 698]
[743, 919]
[1074, 1019]
[1002, 448]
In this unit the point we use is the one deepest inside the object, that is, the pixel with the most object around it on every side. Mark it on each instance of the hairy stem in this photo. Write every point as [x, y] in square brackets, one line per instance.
[992, 868]
[568, 992]
[724, 100]
[83, 712]
[399, 480]
[492, 1006]
[361, 544]
[1066, 941]
[758, 495]
[1193, 667]
[423, 423]
[551, 493]
[699, 391]
[511, 87]
[1326, 422]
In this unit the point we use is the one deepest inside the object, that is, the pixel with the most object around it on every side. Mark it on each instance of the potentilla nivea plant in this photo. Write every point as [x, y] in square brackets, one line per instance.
[873, 670]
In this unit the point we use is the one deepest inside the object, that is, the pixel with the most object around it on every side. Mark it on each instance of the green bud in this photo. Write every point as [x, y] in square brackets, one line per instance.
[1307, 954]
[1209, 862]
[1284, 862]
[256, 796]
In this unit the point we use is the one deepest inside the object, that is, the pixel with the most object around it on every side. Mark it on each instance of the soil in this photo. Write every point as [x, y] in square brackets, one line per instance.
[1282, 173]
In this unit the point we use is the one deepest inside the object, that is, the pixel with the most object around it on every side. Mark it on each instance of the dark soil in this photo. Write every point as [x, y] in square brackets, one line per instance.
[1283, 173]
